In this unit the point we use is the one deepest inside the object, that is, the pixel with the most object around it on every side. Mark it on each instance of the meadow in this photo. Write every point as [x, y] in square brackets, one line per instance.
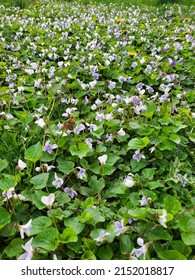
[97, 138]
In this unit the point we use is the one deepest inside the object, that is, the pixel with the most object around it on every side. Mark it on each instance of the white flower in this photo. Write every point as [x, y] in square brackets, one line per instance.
[48, 200]
[29, 251]
[58, 182]
[8, 194]
[25, 228]
[109, 117]
[21, 164]
[40, 122]
[93, 107]
[121, 132]
[162, 219]
[129, 180]
[141, 251]
[88, 141]
[103, 159]
[93, 83]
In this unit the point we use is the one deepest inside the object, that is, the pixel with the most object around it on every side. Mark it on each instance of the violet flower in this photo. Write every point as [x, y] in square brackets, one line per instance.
[58, 182]
[138, 156]
[49, 147]
[71, 192]
[102, 236]
[120, 227]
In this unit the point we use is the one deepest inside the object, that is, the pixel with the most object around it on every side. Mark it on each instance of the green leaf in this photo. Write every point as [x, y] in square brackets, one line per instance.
[172, 205]
[183, 221]
[138, 143]
[39, 224]
[46, 157]
[175, 138]
[189, 225]
[40, 181]
[96, 185]
[105, 252]
[14, 249]
[68, 235]
[125, 244]
[112, 159]
[47, 239]
[65, 166]
[155, 184]
[108, 169]
[136, 166]
[95, 168]
[138, 213]
[192, 137]
[188, 238]
[88, 255]
[149, 112]
[181, 247]
[5, 217]
[74, 223]
[148, 173]
[3, 164]
[24, 116]
[62, 198]
[135, 125]
[89, 202]
[34, 153]
[7, 183]
[85, 191]
[81, 150]
[166, 145]
[85, 216]
[171, 255]
[158, 233]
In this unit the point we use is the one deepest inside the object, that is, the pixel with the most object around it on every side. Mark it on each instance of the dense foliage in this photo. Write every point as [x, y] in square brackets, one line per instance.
[97, 132]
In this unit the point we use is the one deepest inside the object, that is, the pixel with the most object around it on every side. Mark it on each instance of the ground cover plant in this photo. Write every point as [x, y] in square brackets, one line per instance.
[97, 132]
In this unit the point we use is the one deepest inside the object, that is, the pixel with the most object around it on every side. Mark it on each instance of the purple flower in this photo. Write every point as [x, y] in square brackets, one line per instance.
[138, 156]
[134, 64]
[111, 85]
[120, 227]
[102, 236]
[143, 201]
[141, 251]
[166, 47]
[148, 69]
[79, 128]
[122, 79]
[109, 137]
[49, 147]
[130, 221]
[81, 173]
[139, 86]
[58, 182]
[139, 108]
[89, 141]
[183, 180]
[71, 192]
[134, 99]
[99, 117]
[119, 99]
